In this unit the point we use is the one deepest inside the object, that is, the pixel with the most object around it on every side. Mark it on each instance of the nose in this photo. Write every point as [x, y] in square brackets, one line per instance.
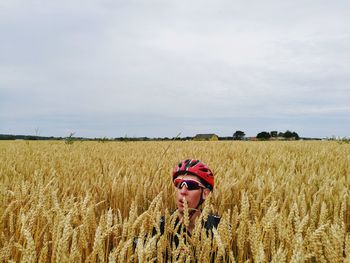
[183, 190]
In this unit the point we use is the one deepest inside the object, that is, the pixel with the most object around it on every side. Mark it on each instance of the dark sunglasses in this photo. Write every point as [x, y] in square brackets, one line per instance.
[189, 183]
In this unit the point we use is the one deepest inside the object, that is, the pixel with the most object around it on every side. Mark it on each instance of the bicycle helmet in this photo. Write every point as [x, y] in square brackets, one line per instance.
[197, 168]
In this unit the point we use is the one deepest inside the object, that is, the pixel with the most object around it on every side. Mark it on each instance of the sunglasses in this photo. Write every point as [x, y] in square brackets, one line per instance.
[189, 183]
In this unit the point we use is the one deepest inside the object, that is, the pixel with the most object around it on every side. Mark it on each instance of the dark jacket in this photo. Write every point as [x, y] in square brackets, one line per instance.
[212, 222]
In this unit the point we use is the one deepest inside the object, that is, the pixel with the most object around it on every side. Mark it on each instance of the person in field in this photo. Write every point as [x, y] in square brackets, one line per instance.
[193, 181]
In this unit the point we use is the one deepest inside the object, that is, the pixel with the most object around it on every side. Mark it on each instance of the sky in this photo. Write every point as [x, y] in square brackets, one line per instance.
[115, 68]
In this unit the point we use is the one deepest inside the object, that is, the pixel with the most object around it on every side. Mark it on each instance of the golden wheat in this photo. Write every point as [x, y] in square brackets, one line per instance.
[103, 202]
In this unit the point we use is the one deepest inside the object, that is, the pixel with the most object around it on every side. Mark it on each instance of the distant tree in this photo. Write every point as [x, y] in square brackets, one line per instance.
[7, 137]
[238, 135]
[274, 133]
[263, 135]
[289, 135]
[296, 136]
[70, 138]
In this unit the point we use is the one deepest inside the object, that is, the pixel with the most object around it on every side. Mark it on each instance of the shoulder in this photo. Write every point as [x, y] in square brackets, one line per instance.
[212, 221]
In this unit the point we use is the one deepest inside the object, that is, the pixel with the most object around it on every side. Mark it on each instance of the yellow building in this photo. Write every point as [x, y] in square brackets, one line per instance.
[206, 137]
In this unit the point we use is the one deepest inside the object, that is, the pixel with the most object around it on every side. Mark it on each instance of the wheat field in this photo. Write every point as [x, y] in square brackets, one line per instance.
[88, 201]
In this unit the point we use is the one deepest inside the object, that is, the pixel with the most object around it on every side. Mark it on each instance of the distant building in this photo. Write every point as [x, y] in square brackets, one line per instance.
[206, 137]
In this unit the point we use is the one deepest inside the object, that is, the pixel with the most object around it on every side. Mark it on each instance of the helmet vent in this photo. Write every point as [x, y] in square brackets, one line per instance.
[194, 163]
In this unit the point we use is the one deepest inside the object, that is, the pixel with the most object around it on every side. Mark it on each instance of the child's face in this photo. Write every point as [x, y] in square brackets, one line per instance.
[192, 196]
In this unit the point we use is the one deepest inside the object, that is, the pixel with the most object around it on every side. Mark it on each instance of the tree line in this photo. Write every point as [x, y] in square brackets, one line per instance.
[237, 135]
[264, 135]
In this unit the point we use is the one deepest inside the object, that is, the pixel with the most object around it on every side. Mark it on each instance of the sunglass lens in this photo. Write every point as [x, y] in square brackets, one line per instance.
[189, 184]
[192, 185]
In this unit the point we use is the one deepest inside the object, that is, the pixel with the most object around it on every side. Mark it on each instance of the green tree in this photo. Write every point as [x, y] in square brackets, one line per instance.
[295, 135]
[274, 133]
[289, 135]
[263, 135]
[238, 135]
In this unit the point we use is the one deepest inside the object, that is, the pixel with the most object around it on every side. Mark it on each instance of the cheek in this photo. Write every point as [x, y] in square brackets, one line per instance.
[194, 197]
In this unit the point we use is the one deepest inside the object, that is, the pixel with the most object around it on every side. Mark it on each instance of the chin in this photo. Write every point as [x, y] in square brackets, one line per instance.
[180, 209]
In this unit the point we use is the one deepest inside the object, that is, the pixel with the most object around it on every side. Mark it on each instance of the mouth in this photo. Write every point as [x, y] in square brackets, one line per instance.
[180, 203]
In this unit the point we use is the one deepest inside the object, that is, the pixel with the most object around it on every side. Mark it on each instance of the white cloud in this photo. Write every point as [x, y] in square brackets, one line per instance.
[218, 59]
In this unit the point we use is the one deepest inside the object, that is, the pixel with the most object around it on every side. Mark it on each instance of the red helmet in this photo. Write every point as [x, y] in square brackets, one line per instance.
[197, 168]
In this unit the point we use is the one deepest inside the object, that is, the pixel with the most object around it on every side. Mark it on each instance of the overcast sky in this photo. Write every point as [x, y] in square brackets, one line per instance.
[156, 68]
